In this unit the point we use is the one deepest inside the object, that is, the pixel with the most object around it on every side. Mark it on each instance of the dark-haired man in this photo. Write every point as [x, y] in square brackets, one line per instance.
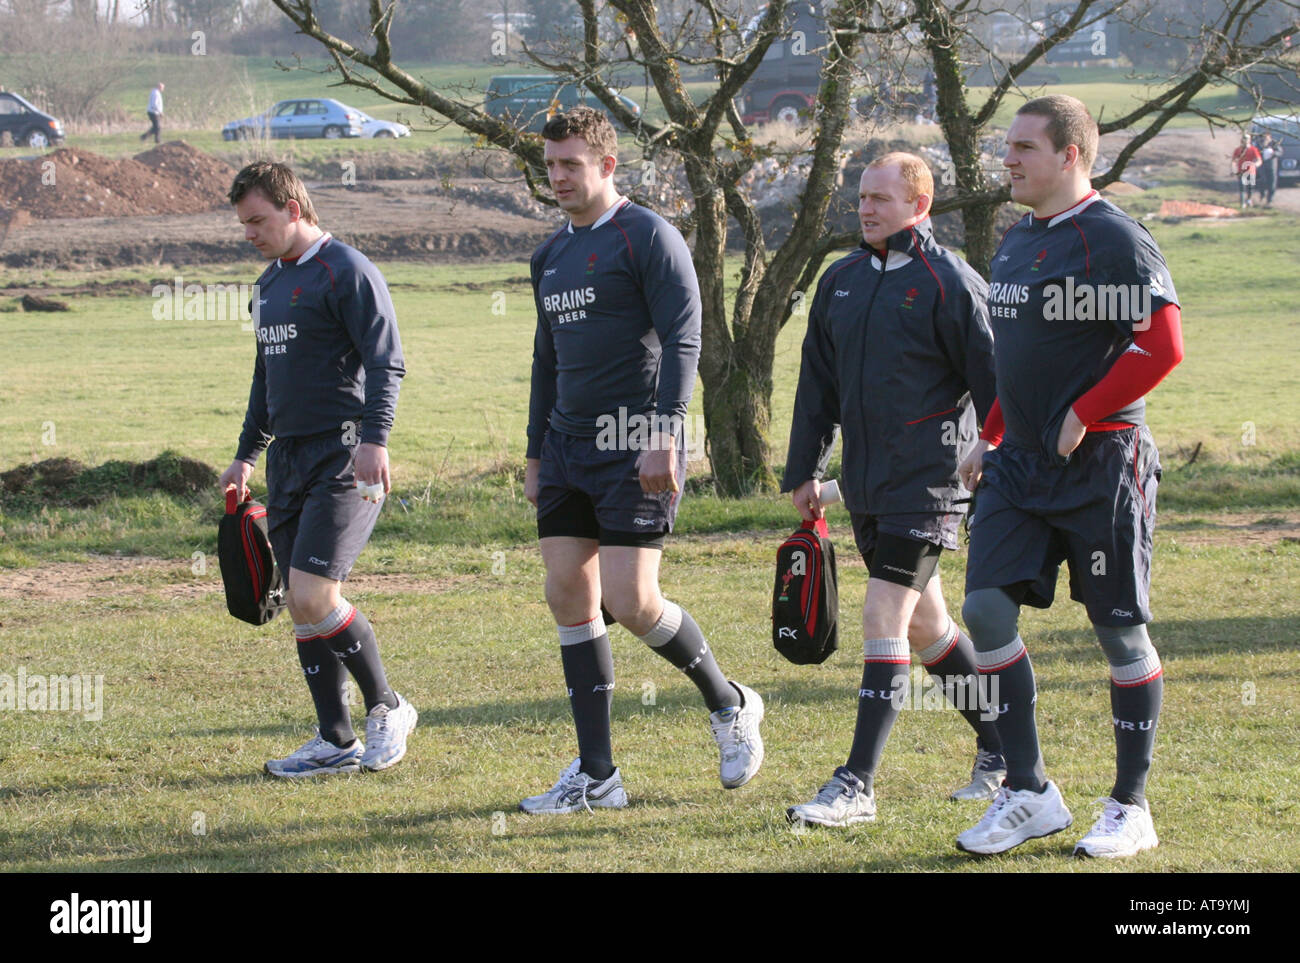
[614, 359]
[899, 354]
[325, 383]
[1086, 322]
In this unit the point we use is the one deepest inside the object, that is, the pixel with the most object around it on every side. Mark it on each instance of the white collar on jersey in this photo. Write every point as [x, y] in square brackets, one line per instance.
[1087, 201]
[895, 260]
[606, 216]
[310, 253]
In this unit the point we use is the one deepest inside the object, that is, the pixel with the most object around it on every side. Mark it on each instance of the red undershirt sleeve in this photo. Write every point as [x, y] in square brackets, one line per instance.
[1154, 353]
[994, 425]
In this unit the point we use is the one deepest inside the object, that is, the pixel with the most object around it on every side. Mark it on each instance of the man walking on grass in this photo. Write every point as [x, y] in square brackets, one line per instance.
[325, 383]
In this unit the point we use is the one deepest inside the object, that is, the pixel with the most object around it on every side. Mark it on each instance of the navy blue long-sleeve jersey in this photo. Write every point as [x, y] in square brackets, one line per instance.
[618, 324]
[899, 357]
[328, 351]
[1067, 295]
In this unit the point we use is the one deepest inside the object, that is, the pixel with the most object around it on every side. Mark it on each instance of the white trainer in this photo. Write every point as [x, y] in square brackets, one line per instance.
[985, 777]
[842, 801]
[386, 732]
[736, 732]
[316, 757]
[1015, 816]
[575, 791]
[1120, 830]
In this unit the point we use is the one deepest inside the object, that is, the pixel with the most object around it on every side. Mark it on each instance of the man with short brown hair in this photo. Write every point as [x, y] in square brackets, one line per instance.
[325, 383]
[898, 355]
[614, 360]
[1086, 322]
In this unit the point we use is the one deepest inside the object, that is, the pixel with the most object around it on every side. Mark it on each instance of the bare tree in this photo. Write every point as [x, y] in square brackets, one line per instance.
[715, 149]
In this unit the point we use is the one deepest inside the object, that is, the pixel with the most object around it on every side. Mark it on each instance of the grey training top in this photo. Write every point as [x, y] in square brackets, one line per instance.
[327, 350]
[618, 324]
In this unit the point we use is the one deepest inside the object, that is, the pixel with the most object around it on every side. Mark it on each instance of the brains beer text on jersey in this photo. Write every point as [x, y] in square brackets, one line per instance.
[566, 303]
[1002, 295]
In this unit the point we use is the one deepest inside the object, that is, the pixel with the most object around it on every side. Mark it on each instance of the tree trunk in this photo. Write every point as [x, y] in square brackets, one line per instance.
[737, 416]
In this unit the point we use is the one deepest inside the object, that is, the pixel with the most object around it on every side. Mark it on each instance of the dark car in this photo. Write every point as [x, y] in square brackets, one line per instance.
[26, 124]
[784, 87]
[529, 100]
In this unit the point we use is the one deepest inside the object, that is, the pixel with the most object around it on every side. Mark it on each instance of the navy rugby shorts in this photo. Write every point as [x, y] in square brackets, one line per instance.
[1097, 512]
[317, 521]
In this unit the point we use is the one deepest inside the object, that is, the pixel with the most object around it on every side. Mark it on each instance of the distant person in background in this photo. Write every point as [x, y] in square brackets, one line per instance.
[1245, 162]
[1270, 159]
[930, 90]
[155, 110]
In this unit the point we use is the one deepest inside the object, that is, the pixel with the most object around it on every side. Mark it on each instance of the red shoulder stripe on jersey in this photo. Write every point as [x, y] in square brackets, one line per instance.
[1087, 252]
[614, 220]
[327, 268]
[1008, 231]
[847, 263]
[917, 241]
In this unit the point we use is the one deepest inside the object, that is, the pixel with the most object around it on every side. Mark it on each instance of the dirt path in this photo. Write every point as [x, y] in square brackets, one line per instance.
[102, 576]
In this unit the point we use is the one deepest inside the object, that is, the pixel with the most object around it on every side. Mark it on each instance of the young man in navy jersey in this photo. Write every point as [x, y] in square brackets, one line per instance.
[329, 365]
[1086, 322]
[899, 355]
[614, 360]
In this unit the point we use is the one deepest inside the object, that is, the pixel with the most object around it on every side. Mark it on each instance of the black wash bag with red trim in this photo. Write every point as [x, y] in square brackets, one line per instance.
[805, 599]
[254, 588]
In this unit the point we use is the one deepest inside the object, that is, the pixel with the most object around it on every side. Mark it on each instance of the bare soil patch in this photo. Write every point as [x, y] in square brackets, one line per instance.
[1235, 528]
[105, 576]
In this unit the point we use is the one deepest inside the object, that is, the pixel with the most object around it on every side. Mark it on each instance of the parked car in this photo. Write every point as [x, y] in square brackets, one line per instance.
[26, 124]
[784, 87]
[530, 100]
[1286, 131]
[370, 127]
[307, 117]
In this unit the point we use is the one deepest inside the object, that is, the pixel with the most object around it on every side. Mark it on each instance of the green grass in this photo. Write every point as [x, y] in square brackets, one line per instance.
[194, 701]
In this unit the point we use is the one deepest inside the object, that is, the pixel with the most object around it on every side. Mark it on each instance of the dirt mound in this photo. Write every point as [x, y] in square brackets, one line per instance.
[66, 481]
[203, 173]
[171, 179]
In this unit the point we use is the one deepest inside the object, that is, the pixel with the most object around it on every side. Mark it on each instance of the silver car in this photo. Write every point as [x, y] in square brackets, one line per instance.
[303, 117]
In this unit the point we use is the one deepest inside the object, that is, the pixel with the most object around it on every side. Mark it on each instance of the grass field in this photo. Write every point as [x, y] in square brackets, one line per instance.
[194, 702]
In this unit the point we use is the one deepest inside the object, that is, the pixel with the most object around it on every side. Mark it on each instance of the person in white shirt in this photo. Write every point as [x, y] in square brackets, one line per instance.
[155, 110]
